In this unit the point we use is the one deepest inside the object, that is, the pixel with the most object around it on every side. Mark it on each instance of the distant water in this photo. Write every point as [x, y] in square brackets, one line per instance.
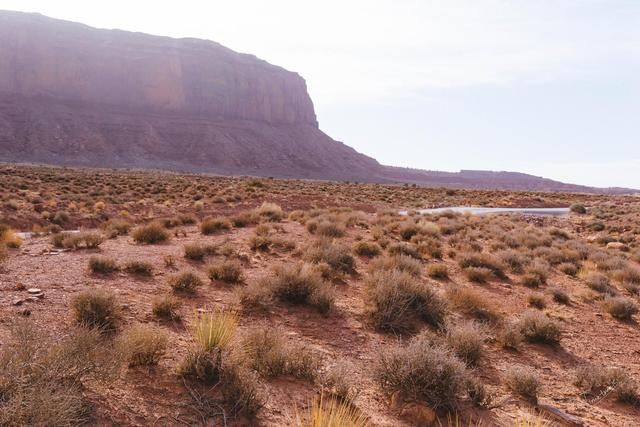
[485, 211]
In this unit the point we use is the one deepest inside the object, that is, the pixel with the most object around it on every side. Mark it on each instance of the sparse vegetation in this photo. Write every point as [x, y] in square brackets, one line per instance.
[186, 282]
[142, 345]
[96, 309]
[150, 234]
[226, 271]
[524, 383]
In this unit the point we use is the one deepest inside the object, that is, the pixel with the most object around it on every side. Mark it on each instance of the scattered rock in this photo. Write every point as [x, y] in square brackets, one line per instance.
[418, 414]
[34, 291]
[560, 415]
[25, 312]
[18, 301]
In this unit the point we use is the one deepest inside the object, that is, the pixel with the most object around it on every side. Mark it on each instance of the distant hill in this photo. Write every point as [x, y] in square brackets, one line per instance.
[79, 96]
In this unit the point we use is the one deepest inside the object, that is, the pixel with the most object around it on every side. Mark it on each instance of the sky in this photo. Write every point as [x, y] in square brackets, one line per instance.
[547, 87]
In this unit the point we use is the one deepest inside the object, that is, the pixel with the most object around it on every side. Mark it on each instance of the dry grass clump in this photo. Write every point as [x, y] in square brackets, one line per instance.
[568, 268]
[535, 274]
[538, 328]
[472, 303]
[510, 336]
[68, 240]
[467, 342]
[166, 308]
[9, 238]
[299, 283]
[142, 345]
[437, 271]
[150, 234]
[214, 225]
[481, 260]
[42, 381]
[397, 301]
[229, 271]
[96, 308]
[197, 251]
[366, 249]
[103, 265]
[596, 381]
[404, 248]
[332, 412]
[139, 268]
[338, 380]
[326, 228]
[214, 330]
[560, 296]
[423, 371]
[621, 308]
[513, 259]
[628, 274]
[186, 282]
[244, 219]
[270, 212]
[402, 263]
[537, 300]
[268, 352]
[599, 283]
[523, 382]
[336, 255]
[477, 274]
[578, 208]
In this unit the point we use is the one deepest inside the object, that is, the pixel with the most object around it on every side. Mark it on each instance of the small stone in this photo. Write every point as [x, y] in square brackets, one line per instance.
[18, 301]
[34, 291]
[125, 306]
[25, 312]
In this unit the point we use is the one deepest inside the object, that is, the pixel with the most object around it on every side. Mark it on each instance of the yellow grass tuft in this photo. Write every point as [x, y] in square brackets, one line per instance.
[214, 330]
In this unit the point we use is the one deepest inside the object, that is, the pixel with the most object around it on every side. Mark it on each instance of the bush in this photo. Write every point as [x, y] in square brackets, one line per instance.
[214, 226]
[244, 219]
[150, 234]
[560, 296]
[437, 271]
[142, 345]
[214, 331]
[270, 212]
[595, 381]
[538, 328]
[510, 337]
[185, 282]
[578, 209]
[466, 340]
[96, 309]
[537, 300]
[337, 256]
[403, 248]
[477, 274]
[269, 353]
[226, 271]
[367, 249]
[396, 301]
[333, 412]
[102, 265]
[328, 229]
[423, 371]
[481, 260]
[512, 259]
[166, 308]
[139, 268]
[197, 252]
[297, 284]
[402, 263]
[472, 303]
[621, 308]
[339, 381]
[523, 382]
[568, 268]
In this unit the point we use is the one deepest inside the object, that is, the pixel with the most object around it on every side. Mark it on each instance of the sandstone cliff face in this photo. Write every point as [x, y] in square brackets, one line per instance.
[75, 95]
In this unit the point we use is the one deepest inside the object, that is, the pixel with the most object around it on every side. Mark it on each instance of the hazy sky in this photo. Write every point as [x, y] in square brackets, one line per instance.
[549, 87]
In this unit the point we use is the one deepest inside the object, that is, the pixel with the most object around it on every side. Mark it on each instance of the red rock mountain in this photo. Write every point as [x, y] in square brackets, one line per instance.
[75, 95]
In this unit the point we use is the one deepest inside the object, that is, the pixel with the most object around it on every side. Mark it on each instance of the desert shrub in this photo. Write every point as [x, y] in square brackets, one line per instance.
[295, 284]
[467, 340]
[481, 260]
[139, 268]
[338, 380]
[431, 248]
[329, 229]
[199, 364]
[632, 288]
[367, 249]
[477, 274]
[397, 300]
[596, 381]
[437, 271]
[622, 308]
[268, 352]
[510, 336]
[226, 271]
[41, 380]
[214, 225]
[96, 308]
[166, 307]
[560, 296]
[244, 219]
[424, 371]
[537, 300]
[599, 283]
[538, 328]
[186, 282]
[628, 274]
[142, 345]
[337, 256]
[512, 259]
[4, 254]
[523, 382]
[116, 227]
[404, 248]
[578, 209]
[535, 274]
[9, 238]
[568, 268]
[150, 234]
[472, 303]
[102, 265]
[197, 251]
[270, 212]
[214, 331]
[240, 389]
[332, 412]
[408, 231]
[402, 263]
